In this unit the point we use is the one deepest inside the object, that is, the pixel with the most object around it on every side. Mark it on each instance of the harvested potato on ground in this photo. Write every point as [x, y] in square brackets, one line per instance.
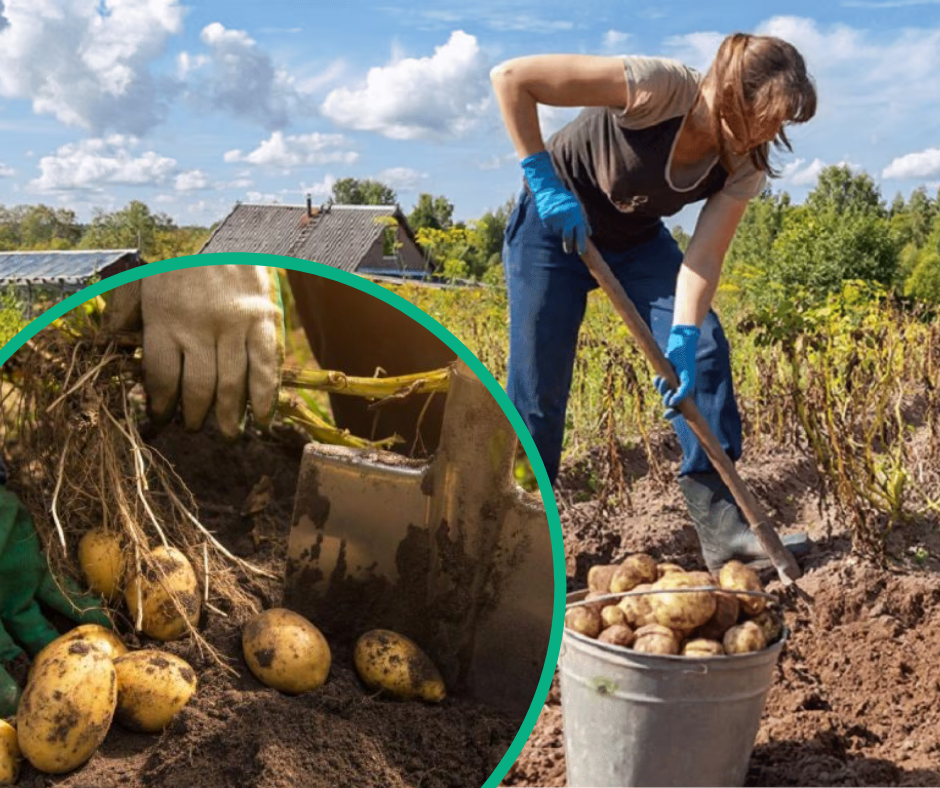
[735, 576]
[611, 615]
[599, 577]
[655, 639]
[665, 569]
[701, 647]
[771, 623]
[727, 611]
[102, 560]
[744, 638]
[102, 638]
[170, 574]
[617, 635]
[152, 688]
[285, 651]
[391, 662]
[635, 570]
[9, 754]
[584, 620]
[681, 609]
[67, 708]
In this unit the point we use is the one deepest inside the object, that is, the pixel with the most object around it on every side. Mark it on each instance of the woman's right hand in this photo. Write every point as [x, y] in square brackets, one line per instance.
[558, 208]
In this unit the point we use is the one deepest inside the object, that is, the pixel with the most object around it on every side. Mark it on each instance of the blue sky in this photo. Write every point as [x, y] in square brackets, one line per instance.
[193, 106]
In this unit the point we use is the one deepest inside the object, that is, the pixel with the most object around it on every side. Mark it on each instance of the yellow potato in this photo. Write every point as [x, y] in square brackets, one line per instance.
[67, 708]
[735, 576]
[9, 754]
[617, 635]
[152, 688]
[170, 575]
[599, 577]
[612, 615]
[637, 608]
[655, 639]
[584, 619]
[635, 570]
[104, 639]
[102, 560]
[391, 662]
[680, 609]
[285, 651]
[744, 638]
[702, 647]
[771, 623]
[727, 610]
[665, 569]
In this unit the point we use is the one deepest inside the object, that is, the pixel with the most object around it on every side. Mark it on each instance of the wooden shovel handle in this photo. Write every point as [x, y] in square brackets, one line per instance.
[782, 559]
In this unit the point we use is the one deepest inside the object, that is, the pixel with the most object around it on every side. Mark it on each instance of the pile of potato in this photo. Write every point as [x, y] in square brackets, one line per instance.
[672, 621]
[77, 686]
[287, 652]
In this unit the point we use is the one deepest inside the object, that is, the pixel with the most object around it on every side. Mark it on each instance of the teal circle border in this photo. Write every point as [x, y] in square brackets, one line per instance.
[442, 333]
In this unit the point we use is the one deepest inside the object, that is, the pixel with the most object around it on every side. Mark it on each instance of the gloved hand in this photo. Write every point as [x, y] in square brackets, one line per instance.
[558, 208]
[24, 582]
[680, 350]
[211, 334]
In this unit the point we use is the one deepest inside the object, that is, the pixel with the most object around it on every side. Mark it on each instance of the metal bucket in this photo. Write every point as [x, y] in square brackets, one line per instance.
[633, 719]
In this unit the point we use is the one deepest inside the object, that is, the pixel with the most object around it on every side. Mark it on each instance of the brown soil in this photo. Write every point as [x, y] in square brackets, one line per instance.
[854, 701]
[237, 733]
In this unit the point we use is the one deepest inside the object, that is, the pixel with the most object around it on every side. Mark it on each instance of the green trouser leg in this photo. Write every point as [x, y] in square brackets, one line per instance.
[9, 689]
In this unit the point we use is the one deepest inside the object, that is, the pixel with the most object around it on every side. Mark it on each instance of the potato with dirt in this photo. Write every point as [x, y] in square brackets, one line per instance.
[635, 570]
[676, 608]
[636, 607]
[702, 647]
[103, 562]
[599, 577]
[9, 754]
[656, 639]
[771, 623]
[67, 708]
[153, 686]
[286, 651]
[617, 635]
[744, 638]
[165, 594]
[612, 615]
[585, 620]
[666, 568]
[104, 639]
[727, 612]
[735, 576]
[396, 664]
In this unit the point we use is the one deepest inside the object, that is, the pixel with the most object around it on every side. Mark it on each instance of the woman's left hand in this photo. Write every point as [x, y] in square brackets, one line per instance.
[680, 351]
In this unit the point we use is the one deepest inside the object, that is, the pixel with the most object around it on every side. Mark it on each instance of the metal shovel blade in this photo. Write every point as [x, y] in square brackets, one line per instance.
[450, 552]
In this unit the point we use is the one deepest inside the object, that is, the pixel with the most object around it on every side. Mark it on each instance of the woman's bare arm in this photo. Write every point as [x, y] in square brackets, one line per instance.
[557, 80]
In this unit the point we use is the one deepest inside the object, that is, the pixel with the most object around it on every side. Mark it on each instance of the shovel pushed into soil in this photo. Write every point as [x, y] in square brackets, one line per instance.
[782, 559]
[450, 551]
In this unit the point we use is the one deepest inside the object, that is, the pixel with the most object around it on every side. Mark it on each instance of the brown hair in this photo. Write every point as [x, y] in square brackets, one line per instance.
[761, 80]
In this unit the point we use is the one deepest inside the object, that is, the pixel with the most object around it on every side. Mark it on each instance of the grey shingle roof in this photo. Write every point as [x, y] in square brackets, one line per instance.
[65, 267]
[340, 236]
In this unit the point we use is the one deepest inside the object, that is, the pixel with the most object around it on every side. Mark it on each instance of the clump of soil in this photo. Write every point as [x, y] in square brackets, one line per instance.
[854, 699]
[235, 732]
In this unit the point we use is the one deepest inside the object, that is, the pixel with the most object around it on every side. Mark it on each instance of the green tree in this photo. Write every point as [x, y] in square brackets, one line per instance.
[435, 213]
[352, 191]
[839, 190]
[682, 237]
[38, 227]
[133, 227]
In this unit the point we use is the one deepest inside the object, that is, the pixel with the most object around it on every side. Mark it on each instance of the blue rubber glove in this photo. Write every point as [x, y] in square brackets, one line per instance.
[558, 208]
[680, 350]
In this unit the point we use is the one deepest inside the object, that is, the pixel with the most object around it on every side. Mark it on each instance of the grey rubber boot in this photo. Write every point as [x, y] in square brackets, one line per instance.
[722, 528]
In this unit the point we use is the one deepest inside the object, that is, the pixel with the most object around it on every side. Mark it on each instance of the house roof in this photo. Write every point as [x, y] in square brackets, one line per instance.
[57, 267]
[338, 236]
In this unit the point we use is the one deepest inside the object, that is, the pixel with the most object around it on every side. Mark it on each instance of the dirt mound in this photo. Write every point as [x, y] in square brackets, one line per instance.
[237, 733]
[854, 699]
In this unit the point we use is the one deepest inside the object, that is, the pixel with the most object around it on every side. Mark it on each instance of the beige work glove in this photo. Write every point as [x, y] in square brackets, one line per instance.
[211, 334]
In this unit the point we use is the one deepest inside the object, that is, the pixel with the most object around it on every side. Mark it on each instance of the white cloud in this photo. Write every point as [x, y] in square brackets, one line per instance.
[88, 63]
[551, 119]
[191, 180]
[402, 178]
[923, 164]
[694, 49]
[296, 151]
[529, 24]
[808, 175]
[239, 78]
[495, 161]
[5, 172]
[98, 163]
[440, 96]
[263, 197]
[320, 190]
[615, 41]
